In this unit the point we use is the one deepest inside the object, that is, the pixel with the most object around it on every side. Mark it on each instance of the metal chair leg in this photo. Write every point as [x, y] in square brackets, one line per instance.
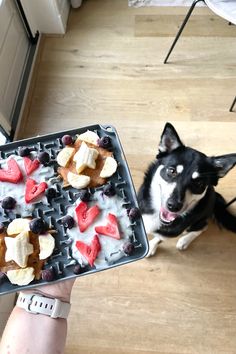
[182, 27]
[232, 106]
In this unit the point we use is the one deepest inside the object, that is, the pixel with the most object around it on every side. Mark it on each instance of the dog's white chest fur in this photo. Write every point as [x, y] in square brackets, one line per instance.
[159, 192]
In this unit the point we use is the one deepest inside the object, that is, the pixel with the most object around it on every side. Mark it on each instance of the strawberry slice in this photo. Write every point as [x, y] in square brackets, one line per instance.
[30, 166]
[86, 215]
[33, 190]
[111, 228]
[12, 174]
[89, 252]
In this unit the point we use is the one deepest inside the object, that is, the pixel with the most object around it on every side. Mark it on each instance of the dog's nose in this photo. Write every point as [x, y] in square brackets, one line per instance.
[174, 206]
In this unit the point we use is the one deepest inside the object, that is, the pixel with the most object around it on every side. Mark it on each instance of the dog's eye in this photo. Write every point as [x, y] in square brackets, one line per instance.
[171, 172]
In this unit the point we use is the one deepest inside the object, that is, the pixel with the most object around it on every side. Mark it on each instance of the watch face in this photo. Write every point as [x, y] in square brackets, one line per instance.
[68, 208]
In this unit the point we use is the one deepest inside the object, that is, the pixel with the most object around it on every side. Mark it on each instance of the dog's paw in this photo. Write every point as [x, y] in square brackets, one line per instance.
[151, 253]
[153, 244]
[182, 244]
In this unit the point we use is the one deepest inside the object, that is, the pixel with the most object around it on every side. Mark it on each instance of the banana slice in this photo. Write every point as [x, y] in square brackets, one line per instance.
[46, 245]
[64, 156]
[85, 157]
[21, 276]
[109, 168]
[18, 249]
[78, 181]
[17, 226]
[89, 137]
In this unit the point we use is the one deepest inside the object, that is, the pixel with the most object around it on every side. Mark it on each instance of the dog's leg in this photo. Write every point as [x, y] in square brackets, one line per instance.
[151, 224]
[153, 244]
[185, 241]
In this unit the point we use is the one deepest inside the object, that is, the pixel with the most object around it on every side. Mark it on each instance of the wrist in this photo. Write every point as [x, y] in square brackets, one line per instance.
[51, 294]
[40, 304]
[60, 291]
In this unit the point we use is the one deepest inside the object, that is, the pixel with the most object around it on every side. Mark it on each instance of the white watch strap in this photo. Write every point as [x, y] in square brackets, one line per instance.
[40, 304]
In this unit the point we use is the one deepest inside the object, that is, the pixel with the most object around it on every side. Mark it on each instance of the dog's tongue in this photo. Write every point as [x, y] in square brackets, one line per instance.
[168, 216]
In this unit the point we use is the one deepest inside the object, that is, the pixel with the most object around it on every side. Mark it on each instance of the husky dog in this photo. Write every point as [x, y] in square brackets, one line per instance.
[177, 196]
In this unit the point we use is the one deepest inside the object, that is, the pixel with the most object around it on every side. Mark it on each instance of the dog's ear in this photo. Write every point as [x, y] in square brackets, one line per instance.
[223, 164]
[169, 139]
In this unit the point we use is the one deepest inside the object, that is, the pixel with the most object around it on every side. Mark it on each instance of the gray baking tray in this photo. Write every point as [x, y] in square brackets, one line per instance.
[61, 260]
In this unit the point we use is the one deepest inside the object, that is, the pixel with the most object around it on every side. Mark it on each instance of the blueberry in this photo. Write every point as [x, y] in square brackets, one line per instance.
[24, 151]
[109, 190]
[77, 269]
[51, 193]
[37, 226]
[128, 248]
[67, 139]
[68, 221]
[43, 157]
[8, 203]
[134, 213]
[84, 195]
[3, 277]
[48, 274]
[2, 228]
[105, 142]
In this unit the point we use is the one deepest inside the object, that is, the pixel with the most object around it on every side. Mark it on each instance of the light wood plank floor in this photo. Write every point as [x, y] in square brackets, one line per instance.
[108, 68]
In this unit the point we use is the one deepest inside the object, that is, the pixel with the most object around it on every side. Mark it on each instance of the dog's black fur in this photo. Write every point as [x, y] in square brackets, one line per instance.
[172, 153]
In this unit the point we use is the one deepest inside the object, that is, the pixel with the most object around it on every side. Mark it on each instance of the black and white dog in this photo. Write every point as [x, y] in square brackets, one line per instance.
[177, 196]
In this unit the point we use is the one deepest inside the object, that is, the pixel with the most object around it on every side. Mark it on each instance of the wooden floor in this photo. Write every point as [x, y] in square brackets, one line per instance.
[109, 69]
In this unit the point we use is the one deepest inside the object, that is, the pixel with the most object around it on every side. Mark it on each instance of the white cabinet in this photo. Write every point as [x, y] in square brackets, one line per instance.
[47, 16]
[14, 46]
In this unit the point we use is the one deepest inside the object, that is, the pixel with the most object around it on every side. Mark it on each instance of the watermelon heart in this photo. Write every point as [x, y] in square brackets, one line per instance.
[30, 166]
[33, 190]
[111, 228]
[86, 215]
[12, 174]
[89, 252]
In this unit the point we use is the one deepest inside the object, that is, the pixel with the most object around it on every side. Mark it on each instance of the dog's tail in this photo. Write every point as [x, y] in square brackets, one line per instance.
[222, 214]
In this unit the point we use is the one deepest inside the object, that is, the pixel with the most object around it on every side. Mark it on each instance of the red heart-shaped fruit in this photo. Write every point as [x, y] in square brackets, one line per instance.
[89, 252]
[86, 215]
[111, 228]
[34, 190]
[12, 174]
[30, 165]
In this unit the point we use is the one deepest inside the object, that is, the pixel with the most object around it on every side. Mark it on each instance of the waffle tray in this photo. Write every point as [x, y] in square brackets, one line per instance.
[61, 260]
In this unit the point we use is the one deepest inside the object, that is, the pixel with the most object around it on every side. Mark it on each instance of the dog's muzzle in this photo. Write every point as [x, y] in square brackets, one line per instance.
[167, 216]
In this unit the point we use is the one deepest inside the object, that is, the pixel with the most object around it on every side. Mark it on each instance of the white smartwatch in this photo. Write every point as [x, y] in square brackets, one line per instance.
[40, 304]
